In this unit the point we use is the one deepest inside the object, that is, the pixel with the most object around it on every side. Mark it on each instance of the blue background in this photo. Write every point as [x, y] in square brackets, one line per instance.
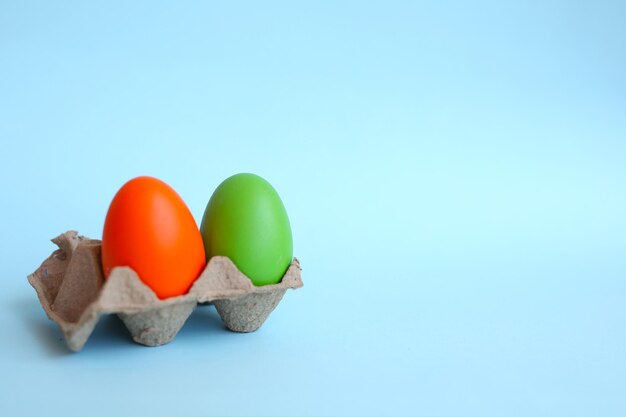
[454, 174]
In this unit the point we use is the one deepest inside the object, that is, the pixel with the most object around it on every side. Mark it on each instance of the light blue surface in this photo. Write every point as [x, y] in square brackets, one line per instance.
[455, 175]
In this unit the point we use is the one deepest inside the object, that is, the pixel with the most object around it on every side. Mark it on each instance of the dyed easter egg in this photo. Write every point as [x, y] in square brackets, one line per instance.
[150, 229]
[245, 220]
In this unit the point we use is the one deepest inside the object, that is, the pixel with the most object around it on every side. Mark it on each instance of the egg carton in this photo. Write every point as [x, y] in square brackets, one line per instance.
[72, 290]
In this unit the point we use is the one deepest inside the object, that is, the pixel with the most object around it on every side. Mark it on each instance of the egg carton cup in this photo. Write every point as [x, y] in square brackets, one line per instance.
[72, 290]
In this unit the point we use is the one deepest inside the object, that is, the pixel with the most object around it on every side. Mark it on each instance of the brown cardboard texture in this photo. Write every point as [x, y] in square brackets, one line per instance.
[73, 292]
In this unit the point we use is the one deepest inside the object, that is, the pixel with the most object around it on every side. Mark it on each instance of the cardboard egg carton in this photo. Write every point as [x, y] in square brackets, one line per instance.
[73, 292]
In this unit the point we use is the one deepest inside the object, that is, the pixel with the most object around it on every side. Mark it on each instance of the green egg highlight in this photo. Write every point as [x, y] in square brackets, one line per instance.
[246, 220]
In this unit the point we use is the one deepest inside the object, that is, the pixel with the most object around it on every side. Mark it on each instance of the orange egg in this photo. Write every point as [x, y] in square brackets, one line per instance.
[149, 228]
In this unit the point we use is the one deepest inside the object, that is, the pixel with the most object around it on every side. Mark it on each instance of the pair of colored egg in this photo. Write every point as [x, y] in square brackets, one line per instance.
[150, 229]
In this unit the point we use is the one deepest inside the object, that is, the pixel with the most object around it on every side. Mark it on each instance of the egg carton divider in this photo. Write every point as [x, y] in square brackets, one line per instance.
[73, 292]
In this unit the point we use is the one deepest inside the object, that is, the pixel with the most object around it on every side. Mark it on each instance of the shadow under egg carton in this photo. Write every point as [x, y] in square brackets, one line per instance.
[73, 292]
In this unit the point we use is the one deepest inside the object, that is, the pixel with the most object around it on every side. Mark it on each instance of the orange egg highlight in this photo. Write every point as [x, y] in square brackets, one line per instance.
[150, 229]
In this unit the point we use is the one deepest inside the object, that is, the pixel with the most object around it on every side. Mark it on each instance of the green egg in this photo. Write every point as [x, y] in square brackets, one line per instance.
[246, 220]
